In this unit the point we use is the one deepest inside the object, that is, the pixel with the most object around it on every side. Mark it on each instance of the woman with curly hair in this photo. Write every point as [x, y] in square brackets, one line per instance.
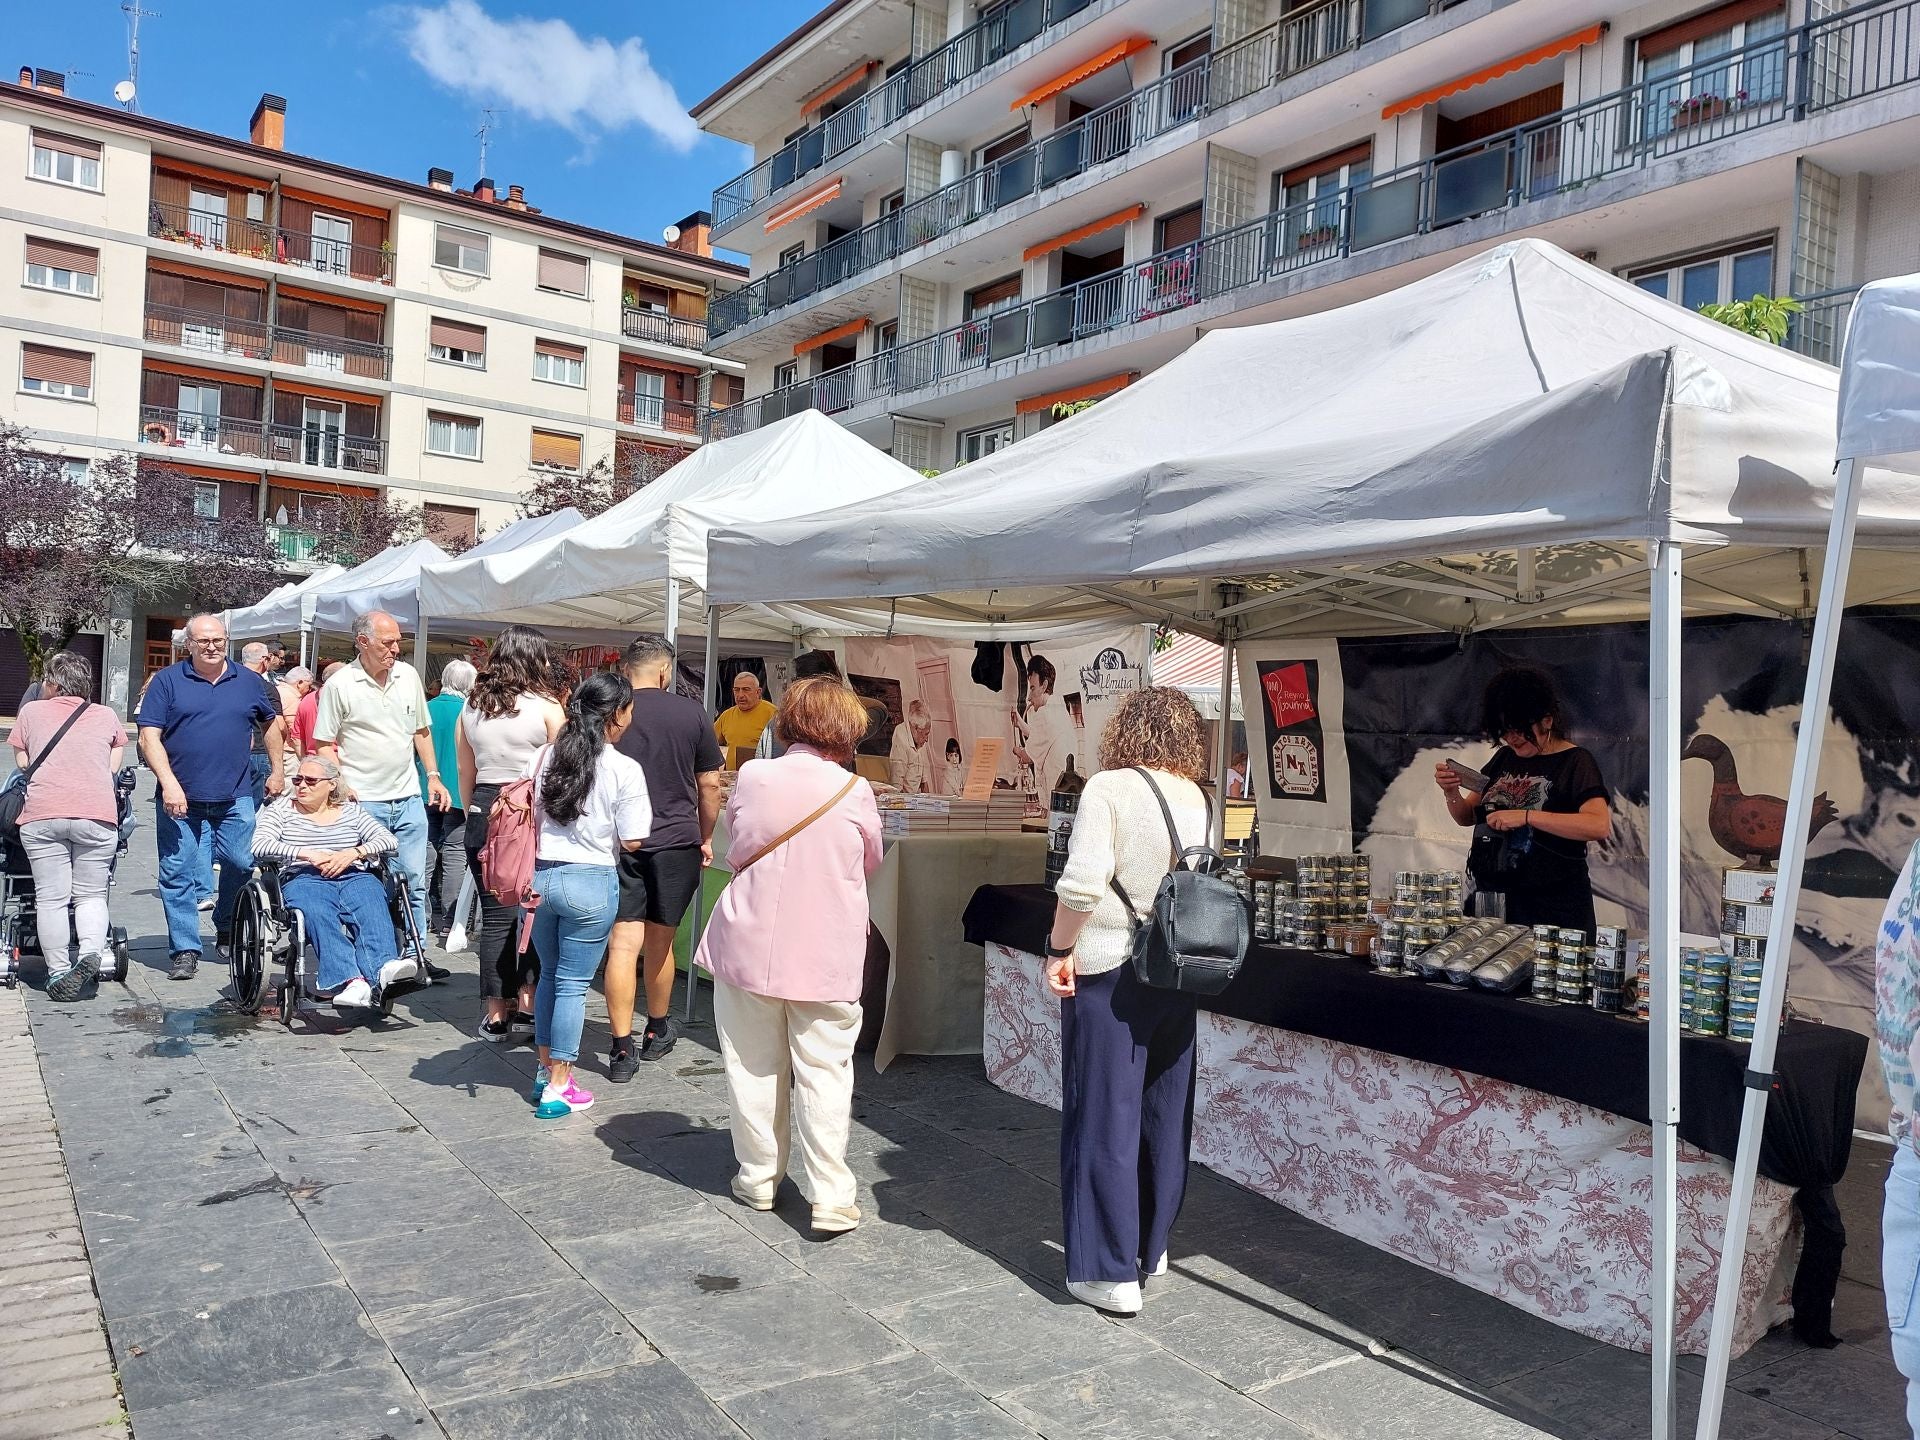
[1126, 1049]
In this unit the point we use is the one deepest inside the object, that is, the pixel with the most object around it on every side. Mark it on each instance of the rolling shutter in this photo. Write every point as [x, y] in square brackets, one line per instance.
[59, 256]
[67, 144]
[56, 367]
[563, 272]
[553, 449]
[456, 336]
[1672, 37]
[564, 352]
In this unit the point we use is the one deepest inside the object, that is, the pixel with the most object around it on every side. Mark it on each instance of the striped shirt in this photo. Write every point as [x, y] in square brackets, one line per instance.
[283, 831]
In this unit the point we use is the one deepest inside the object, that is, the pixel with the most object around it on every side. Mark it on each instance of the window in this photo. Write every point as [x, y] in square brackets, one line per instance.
[1739, 273]
[560, 364]
[453, 435]
[642, 296]
[977, 443]
[75, 472]
[1176, 57]
[67, 374]
[330, 244]
[66, 159]
[457, 343]
[207, 215]
[987, 299]
[649, 397]
[792, 255]
[554, 451]
[457, 249]
[1180, 228]
[563, 272]
[196, 420]
[1313, 199]
[206, 499]
[1686, 88]
[785, 375]
[452, 527]
[55, 265]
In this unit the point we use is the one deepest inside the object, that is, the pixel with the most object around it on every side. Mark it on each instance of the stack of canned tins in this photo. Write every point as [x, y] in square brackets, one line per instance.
[1703, 991]
[1424, 911]
[1572, 967]
[1746, 915]
[1329, 896]
[1609, 972]
[1273, 906]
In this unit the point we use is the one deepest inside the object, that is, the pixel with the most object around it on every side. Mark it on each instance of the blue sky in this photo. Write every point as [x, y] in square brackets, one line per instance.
[589, 97]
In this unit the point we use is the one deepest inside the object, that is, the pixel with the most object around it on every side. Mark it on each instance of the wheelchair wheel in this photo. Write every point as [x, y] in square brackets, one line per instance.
[247, 955]
[117, 965]
[301, 964]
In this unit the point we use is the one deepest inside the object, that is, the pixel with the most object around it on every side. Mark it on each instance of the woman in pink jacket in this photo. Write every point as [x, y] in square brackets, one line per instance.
[786, 947]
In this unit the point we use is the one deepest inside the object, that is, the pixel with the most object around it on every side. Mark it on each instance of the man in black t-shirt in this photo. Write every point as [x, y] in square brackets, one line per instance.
[672, 739]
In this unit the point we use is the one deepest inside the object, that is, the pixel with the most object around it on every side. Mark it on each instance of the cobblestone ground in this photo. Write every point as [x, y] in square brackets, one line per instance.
[366, 1234]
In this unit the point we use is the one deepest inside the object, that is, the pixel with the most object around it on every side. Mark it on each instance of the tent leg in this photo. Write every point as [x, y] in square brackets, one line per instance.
[709, 684]
[310, 651]
[708, 691]
[305, 658]
[1663, 947]
[1222, 741]
[1786, 899]
[420, 647]
[673, 611]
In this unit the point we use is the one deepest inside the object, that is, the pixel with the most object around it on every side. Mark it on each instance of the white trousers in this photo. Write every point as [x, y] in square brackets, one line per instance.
[770, 1045]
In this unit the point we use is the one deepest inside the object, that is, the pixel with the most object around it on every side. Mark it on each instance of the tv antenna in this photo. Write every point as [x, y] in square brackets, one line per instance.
[485, 134]
[131, 85]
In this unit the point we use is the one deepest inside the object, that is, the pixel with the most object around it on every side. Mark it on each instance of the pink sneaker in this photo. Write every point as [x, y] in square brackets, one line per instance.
[554, 1104]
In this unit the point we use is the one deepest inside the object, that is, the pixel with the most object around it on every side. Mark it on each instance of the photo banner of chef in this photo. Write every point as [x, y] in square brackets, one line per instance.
[1044, 701]
[1376, 715]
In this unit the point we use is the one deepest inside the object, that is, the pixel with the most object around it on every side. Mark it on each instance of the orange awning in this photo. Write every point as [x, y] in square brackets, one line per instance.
[1092, 390]
[827, 337]
[1092, 227]
[1562, 46]
[812, 200]
[1112, 55]
[839, 85]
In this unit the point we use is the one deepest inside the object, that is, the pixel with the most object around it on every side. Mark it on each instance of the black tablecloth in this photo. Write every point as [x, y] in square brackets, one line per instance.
[1565, 1050]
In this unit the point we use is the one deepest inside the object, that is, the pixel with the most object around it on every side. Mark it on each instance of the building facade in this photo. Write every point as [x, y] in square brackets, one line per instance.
[288, 331]
[958, 216]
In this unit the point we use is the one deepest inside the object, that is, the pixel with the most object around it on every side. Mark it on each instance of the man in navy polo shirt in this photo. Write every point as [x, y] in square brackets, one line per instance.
[196, 724]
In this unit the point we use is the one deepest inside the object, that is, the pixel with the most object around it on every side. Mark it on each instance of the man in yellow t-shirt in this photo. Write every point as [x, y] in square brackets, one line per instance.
[738, 727]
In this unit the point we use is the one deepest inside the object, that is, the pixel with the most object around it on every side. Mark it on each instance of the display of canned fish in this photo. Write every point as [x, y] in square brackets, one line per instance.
[1748, 887]
[1743, 918]
[1570, 936]
[1506, 973]
[1262, 925]
[1607, 999]
[1609, 937]
[1749, 947]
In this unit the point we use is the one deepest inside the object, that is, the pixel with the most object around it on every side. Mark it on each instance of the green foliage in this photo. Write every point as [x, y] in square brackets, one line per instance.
[1765, 317]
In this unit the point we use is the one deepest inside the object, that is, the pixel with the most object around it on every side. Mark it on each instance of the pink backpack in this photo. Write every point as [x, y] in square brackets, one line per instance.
[513, 843]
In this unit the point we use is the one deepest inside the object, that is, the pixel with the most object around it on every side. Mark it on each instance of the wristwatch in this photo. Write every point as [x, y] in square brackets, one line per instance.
[1057, 954]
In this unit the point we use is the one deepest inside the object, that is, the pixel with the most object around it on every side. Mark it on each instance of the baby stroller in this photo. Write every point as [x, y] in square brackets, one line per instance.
[19, 925]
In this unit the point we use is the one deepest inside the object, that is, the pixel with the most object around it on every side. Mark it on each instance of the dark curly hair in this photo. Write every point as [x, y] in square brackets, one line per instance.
[568, 779]
[1518, 698]
[520, 662]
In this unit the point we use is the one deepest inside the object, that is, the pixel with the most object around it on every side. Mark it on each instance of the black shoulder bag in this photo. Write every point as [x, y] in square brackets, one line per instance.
[13, 799]
[1197, 933]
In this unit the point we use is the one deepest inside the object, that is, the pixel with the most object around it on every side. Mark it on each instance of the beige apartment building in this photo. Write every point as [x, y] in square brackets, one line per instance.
[960, 215]
[287, 331]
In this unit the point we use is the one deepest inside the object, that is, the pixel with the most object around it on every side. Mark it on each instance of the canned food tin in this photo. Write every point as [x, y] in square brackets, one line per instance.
[1571, 936]
[1748, 887]
[1606, 999]
[1308, 937]
[1262, 925]
[1609, 937]
[1571, 954]
[1710, 1025]
[1749, 947]
[1742, 918]
[1548, 933]
[1432, 932]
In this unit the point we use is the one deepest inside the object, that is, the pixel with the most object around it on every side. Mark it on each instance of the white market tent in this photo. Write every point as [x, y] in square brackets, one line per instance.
[256, 619]
[1516, 439]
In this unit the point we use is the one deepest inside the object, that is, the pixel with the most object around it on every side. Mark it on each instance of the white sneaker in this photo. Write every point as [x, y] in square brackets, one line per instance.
[357, 995]
[1115, 1297]
[1157, 1269]
[396, 970]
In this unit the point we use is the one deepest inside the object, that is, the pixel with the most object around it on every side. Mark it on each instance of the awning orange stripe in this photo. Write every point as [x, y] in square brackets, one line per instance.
[1562, 46]
[201, 272]
[322, 392]
[1092, 390]
[839, 85]
[340, 302]
[1112, 55]
[201, 372]
[827, 337]
[1092, 227]
[334, 202]
[813, 200]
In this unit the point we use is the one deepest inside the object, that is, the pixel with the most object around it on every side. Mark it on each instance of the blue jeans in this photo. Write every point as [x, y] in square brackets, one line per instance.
[348, 922]
[262, 767]
[407, 819]
[1900, 1270]
[222, 829]
[570, 929]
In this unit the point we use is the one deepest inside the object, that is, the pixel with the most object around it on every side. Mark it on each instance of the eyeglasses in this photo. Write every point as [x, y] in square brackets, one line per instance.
[310, 779]
[218, 641]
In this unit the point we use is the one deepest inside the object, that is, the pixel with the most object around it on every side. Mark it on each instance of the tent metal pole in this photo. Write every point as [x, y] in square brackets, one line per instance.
[673, 611]
[709, 692]
[1786, 900]
[707, 702]
[420, 646]
[1222, 741]
[1663, 953]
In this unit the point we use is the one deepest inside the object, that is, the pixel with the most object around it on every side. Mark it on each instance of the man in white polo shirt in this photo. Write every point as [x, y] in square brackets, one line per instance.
[373, 723]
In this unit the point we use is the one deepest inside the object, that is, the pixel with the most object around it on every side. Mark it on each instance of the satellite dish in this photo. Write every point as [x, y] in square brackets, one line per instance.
[123, 92]
[670, 234]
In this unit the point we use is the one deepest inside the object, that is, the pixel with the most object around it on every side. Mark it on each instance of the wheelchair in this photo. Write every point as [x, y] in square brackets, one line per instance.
[270, 942]
[19, 924]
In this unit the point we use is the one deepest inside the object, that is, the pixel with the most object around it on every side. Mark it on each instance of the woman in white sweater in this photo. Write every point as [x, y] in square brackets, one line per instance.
[1126, 1048]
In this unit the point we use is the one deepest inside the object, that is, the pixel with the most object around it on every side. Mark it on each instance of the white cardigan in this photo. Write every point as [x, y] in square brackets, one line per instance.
[1118, 829]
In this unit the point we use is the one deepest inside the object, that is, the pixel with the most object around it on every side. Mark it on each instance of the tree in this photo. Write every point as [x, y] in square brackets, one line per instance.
[351, 529]
[70, 543]
[1765, 317]
[598, 488]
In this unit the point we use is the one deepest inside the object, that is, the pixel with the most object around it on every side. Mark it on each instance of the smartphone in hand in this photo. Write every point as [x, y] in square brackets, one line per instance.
[1467, 779]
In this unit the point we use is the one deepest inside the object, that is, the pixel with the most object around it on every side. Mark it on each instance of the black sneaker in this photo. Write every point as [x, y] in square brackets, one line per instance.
[437, 972]
[223, 941]
[185, 962]
[621, 1066]
[73, 984]
[655, 1044]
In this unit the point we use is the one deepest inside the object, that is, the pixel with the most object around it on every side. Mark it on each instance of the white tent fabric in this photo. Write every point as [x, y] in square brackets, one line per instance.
[1520, 398]
[278, 611]
[1880, 377]
[398, 592]
[389, 578]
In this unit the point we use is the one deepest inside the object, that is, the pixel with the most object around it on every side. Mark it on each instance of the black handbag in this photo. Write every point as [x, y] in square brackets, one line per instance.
[13, 799]
[1196, 935]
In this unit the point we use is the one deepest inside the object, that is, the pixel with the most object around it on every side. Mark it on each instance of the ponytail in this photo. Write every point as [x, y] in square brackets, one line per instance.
[576, 753]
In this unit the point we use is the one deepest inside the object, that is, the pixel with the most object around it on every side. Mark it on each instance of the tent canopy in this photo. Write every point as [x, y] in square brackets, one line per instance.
[398, 591]
[279, 609]
[1880, 377]
[1490, 444]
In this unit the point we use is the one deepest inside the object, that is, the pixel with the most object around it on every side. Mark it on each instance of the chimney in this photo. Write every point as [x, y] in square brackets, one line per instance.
[54, 82]
[695, 234]
[483, 190]
[438, 179]
[516, 197]
[26, 77]
[268, 128]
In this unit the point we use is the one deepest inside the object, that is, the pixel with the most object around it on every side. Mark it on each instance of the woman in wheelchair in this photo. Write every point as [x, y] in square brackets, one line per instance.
[321, 842]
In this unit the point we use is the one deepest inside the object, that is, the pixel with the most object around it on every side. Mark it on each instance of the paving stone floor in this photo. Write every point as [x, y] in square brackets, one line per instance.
[366, 1234]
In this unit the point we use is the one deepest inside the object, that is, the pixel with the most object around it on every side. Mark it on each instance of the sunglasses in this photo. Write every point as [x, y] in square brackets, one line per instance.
[310, 779]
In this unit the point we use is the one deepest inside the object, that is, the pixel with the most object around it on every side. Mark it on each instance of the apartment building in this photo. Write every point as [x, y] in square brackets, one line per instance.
[289, 331]
[959, 216]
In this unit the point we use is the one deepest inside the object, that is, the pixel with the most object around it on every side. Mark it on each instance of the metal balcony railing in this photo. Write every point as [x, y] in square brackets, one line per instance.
[1096, 137]
[172, 428]
[1815, 66]
[996, 33]
[1305, 38]
[292, 543]
[314, 350]
[223, 335]
[205, 230]
[663, 329]
[681, 417]
[1820, 328]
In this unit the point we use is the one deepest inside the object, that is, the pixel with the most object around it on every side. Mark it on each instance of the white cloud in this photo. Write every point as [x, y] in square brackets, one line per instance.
[546, 70]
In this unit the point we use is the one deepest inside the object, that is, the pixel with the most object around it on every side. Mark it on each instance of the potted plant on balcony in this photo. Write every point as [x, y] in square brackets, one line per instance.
[1316, 237]
[1703, 108]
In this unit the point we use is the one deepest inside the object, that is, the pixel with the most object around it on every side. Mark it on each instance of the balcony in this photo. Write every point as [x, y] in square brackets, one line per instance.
[1305, 38]
[997, 33]
[663, 329]
[1820, 328]
[293, 544]
[1093, 139]
[190, 434]
[678, 417]
[225, 336]
[1812, 68]
[204, 230]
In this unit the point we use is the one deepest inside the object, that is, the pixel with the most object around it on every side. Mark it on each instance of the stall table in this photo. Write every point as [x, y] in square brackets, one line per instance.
[1497, 1141]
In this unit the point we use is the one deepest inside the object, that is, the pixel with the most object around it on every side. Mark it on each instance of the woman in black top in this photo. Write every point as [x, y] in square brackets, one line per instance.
[1544, 802]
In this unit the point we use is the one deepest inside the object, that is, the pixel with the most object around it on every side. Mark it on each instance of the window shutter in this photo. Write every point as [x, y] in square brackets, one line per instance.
[1353, 155]
[56, 367]
[67, 144]
[456, 336]
[1180, 228]
[1683, 32]
[451, 524]
[564, 352]
[648, 297]
[1007, 289]
[552, 449]
[563, 272]
[59, 256]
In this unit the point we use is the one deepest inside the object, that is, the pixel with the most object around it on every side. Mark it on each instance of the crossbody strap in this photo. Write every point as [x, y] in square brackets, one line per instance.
[793, 830]
[58, 736]
[1175, 855]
